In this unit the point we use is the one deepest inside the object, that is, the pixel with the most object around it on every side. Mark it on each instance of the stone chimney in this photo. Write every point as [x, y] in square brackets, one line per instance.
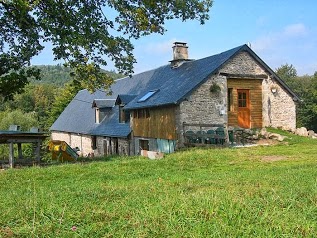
[180, 54]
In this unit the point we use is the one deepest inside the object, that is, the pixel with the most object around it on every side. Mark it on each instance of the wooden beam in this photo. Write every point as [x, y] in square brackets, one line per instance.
[245, 76]
[23, 140]
[11, 155]
[202, 125]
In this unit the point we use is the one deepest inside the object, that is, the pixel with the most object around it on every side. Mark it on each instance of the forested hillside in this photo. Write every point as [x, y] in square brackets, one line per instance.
[59, 75]
[42, 100]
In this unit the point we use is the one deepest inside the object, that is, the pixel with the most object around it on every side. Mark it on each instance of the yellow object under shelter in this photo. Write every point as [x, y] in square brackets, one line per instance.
[62, 151]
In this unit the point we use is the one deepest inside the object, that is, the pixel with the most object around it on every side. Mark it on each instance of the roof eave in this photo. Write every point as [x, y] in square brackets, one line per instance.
[151, 106]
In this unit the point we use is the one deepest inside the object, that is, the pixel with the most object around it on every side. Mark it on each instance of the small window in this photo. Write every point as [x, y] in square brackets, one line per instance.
[122, 115]
[144, 145]
[242, 99]
[147, 95]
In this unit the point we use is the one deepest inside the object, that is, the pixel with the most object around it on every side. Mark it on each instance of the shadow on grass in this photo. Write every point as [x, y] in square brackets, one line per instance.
[4, 164]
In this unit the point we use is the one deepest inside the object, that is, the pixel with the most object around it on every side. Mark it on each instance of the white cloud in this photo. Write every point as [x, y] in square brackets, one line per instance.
[287, 34]
[295, 30]
[159, 54]
[264, 42]
[159, 48]
[294, 44]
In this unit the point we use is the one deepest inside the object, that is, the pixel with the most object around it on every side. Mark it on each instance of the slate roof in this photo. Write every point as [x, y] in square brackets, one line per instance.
[124, 98]
[79, 115]
[103, 103]
[172, 84]
[110, 126]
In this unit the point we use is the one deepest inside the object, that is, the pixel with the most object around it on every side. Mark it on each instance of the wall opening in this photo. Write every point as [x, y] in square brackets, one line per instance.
[144, 145]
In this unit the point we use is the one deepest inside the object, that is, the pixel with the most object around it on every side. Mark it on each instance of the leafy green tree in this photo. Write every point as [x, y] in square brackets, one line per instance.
[62, 99]
[288, 74]
[18, 117]
[307, 112]
[36, 98]
[306, 88]
[83, 33]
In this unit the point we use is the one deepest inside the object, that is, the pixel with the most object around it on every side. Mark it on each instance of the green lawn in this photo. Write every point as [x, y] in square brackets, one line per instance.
[232, 192]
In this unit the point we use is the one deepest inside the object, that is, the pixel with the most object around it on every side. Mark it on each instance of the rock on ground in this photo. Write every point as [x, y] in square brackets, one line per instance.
[301, 131]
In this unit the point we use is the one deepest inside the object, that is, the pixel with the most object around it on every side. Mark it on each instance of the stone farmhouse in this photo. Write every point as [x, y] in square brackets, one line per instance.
[147, 112]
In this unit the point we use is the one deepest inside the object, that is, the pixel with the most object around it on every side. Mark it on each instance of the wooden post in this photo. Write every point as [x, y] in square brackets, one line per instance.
[201, 134]
[184, 137]
[37, 151]
[20, 156]
[11, 155]
[225, 127]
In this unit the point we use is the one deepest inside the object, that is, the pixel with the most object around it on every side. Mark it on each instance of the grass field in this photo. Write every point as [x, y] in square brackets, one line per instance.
[267, 191]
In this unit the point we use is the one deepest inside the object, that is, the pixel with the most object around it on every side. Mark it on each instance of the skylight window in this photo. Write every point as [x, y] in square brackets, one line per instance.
[147, 95]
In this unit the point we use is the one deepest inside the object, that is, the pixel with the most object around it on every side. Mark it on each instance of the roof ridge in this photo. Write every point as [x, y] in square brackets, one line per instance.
[223, 52]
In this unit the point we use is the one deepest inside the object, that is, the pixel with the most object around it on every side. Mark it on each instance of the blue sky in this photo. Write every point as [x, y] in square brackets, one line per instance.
[279, 31]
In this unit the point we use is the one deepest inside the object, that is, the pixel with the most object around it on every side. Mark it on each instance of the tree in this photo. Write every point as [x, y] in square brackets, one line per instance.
[288, 74]
[17, 117]
[62, 99]
[306, 88]
[82, 34]
[308, 110]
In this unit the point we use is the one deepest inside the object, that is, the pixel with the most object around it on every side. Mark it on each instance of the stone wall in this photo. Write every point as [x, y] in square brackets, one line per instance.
[279, 109]
[243, 63]
[123, 146]
[203, 106]
[100, 146]
[112, 146]
[62, 136]
[83, 142]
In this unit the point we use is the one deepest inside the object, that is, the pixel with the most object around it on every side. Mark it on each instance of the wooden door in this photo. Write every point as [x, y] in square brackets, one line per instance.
[244, 119]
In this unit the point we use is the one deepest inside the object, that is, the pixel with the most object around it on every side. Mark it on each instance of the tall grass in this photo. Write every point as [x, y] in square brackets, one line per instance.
[229, 192]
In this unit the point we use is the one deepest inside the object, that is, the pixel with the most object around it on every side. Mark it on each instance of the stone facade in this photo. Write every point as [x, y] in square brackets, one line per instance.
[242, 63]
[111, 145]
[203, 106]
[104, 145]
[206, 107]
[279, 109]
[83, 142]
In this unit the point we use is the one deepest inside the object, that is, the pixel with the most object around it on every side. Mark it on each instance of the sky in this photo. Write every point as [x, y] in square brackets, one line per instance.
[279, 31]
